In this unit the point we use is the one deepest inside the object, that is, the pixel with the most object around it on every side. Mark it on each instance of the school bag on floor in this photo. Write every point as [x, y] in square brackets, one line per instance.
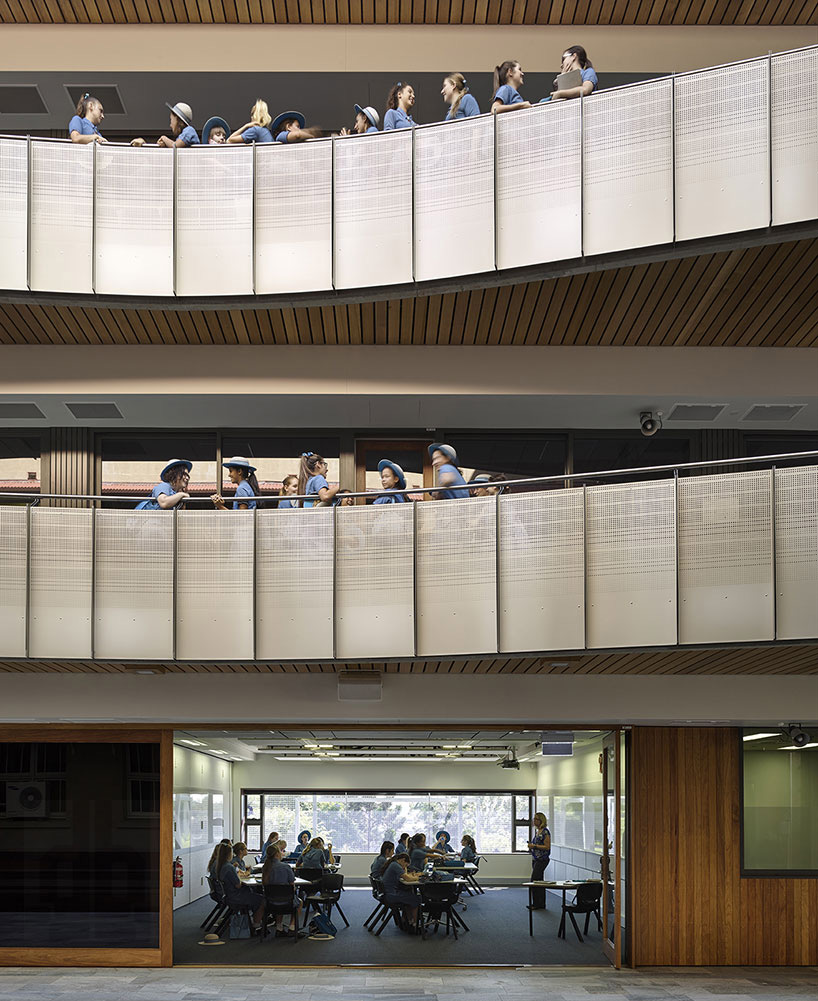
[321, 928]
[240, 925]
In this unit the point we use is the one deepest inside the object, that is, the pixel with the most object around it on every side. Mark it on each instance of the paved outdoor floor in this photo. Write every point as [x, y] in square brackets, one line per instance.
[433, 984]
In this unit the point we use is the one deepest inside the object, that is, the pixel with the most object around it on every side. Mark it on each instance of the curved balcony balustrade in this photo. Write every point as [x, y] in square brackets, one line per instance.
[717, 151]
[706, 559]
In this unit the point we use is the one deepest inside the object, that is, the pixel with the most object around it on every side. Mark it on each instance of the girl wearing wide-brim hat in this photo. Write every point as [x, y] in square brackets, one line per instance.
[243, 474]
[215, 132]
[171, 490]
[304, 839]
[449, 477]
[290, 127]
[392, 478]
[442, 839]
[367, 120]
[181, 125]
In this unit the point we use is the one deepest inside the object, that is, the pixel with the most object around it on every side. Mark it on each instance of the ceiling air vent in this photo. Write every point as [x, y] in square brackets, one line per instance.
[95, 411]
[21, 411]
[773, 412]
[696, 411]
[108, 93]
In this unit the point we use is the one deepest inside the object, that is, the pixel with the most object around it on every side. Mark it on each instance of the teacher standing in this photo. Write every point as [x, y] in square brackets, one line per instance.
[540, 848]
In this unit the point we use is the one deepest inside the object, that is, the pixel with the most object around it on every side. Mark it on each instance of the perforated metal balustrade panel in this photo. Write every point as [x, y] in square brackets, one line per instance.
[454, 198]
[456, 578]
[628, 168]
[214, 590]
[542, 583]
[214, 221]
[374, 582]
[539, 185]
[726, 558]
[60, 589]
[294, 584]
[13, 213]
[133, 602]
[794, 119]
[796, 553]
[722, 163]
[62, 183]
[373, 209]
[293, 217]
[12, 581]
[631, 564]
[134, 221]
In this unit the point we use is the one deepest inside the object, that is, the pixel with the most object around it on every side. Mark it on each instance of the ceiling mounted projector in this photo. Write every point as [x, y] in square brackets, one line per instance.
[510, 761]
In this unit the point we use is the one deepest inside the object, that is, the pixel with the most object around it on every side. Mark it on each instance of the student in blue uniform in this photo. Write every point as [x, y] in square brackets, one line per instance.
[442, 842]
[382, 861]
[403, 843]
[278, 873]
[419, 854]
[239, 853]
[575, 58]
[456, 94]
[257, 129]
[399, 103]
[271, 841]
[312, 480]
[171, 488]
[215, 132]
[508, 78]
[366, 120]
[392, 478]
[84, 126]
[312, 857]
[468, 850]
[237, 894]
[244, 476]
[181, 127]
[444, 459]
[290, 127]
[395, 893]
[304, 839]
[289, 488]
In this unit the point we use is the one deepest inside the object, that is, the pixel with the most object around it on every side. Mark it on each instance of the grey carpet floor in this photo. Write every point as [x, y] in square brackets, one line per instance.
[498, 923]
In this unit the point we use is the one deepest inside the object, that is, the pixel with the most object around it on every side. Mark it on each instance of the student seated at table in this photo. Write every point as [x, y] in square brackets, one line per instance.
[442, 843]
[469, 850]
[313, 856]
[382, 861]
[282, 847]
[211, 865]
[268, 844]
[278, 873]
[304, 839]
[420, 854]
[237, 894]
[239, 852]
[326, 848]
[403, 843]
[395, 893]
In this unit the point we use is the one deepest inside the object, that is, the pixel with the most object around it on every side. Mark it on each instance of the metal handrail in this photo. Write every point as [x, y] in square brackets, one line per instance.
[504, 484]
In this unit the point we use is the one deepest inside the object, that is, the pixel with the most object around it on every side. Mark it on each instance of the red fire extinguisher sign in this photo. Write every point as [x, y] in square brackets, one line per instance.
[178, 873]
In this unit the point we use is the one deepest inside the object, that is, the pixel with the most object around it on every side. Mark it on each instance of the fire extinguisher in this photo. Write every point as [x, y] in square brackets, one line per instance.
[178, 873]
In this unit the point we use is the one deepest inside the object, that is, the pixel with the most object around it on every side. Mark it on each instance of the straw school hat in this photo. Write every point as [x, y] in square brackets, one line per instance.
[286, 117]
[181, 110]
[175, 462]
[388, 464]
[447, 450]
[239, 462]
[213, 123]
[370, 114]
[211, 939]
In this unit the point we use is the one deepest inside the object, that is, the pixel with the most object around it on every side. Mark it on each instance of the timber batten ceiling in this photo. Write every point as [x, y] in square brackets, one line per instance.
[759, 296]
[493, 12]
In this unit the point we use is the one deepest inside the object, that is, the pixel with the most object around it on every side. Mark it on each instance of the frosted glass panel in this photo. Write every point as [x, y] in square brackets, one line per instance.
[13, 220]
[12, 581]
[794, 120]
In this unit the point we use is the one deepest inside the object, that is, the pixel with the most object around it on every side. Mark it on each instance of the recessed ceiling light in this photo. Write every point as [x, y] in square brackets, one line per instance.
[759, 736]
[795, 747]
[193, 743]
[464, 747]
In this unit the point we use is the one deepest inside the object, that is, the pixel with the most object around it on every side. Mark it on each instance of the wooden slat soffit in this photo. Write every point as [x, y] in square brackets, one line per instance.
[602, 12]
[749, 297]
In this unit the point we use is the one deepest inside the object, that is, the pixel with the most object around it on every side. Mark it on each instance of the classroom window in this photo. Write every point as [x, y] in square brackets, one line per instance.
[20, 462]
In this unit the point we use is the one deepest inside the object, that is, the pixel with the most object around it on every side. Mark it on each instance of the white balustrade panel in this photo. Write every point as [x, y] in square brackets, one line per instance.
[214, 585]
[794, 120]
[374, 582]
[456, 577]
[726, 558]
[294, 584]
[539, 185]
[293, 217]
[631, 564]
[134, 221]
[214, 221]
[373, 209]
[62, 210]
[796, 553]
[722, 155]
[13, 213]
[628, 168]
[454, 198]
[60, 589]
[133, 601]
[12, 581]
[542, 586]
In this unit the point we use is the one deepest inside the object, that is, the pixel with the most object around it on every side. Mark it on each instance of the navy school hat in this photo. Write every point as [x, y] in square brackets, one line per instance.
[447, 450]
[443, 834]
[275, 127]
[213, 123]
[301, 835]
[388, 464]
[175, 462]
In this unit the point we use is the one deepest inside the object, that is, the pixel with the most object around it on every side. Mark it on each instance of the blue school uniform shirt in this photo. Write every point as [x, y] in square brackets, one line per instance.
[392, 881]
[507, 95]
[467, 854]
[83, 126]
[590, 74]
[188, 136]
[417, 859]
[279, 874]
[257, 134]
[449, 493]
[286, 504]
[371, 128]
[313, 859]
[467, 108]
[390, 498]
[243, 490]
[396, 118]
[282, 137]
[153, 503]
[314, 484]
[377, 865]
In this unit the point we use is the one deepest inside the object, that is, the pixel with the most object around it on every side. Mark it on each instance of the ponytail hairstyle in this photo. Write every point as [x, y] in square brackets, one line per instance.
[252, 479]
[460, 85]
[260, 114]
[392, 99]
[581, 54]
[84, 102]
[387, 846]
[283, 491]
[223, 856]
[309, 463]
[502, 71]
[470, 842]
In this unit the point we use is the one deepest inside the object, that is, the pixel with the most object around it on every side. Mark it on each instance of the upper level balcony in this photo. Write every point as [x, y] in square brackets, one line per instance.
[667, 164]
[694, 557]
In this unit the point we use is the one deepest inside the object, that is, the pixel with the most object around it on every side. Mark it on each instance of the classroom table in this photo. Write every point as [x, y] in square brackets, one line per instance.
[564, 886]
[256, 881]
[330, 867]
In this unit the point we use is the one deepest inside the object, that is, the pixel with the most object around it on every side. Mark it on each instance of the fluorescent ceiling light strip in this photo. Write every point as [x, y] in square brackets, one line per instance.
[760, 736]
[794, 747]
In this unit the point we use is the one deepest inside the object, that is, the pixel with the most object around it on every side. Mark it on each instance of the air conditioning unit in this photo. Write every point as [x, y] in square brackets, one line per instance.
[25, 799]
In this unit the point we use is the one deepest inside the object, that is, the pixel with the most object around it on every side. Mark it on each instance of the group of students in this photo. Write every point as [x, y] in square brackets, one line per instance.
[311, 483]
[290, 126]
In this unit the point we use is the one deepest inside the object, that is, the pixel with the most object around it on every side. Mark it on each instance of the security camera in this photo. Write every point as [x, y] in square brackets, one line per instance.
[650, 424]
[798, 736]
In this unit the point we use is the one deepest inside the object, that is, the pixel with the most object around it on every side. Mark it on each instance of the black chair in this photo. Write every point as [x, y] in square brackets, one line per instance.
[438, 899]
[586, 901]
[279, 899]
[314, 877]
[329, 895]
[472, 877]
[380, 907]
[217, 894]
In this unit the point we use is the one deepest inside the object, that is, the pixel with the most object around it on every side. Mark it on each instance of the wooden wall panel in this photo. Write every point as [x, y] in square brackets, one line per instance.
[67, 464]
[690, 905]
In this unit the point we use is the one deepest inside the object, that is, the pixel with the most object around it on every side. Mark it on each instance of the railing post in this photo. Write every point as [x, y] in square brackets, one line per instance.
[332, 212]
[29, 184]
[93, 573]
[581, 175]
[93, 222]
[497, 608]
[770, 131]
[253, 228]
[414, 227]
[28, 582]
[415, 579]
[496, 206]
[175, 221]
[584, 567]
[334, 576]
[255, 574]
[676, 548]
[175, 580]
[673, 156]
[773, 552]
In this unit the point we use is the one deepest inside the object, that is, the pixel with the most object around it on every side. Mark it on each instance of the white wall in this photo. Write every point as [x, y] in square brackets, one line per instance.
[198, 781]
